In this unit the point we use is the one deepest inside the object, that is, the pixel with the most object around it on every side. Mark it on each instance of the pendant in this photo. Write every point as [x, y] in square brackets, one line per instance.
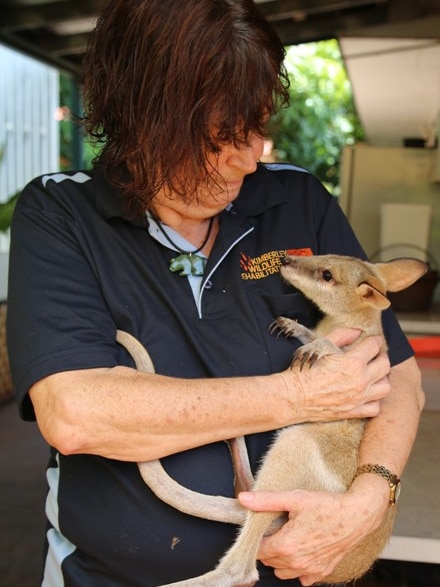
[188, 264]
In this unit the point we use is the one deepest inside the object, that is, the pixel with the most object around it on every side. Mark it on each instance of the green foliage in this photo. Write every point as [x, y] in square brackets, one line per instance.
[69, 128]
[6, 208]
[321, 117]
[6, 211]
[65, 124]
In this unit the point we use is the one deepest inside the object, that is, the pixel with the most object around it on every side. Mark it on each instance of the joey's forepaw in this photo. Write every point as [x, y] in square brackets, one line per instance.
[308, 354]
[282, 325]
[291, 329]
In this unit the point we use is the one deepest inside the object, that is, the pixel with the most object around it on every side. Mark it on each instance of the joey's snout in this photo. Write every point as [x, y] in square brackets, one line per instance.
[293, 263]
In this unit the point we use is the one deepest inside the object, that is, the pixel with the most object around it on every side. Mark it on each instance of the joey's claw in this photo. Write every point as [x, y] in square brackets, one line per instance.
[274, 328]
[291, 329]
[310, 353]
[281, 325]
[312, 359]
[304, 359]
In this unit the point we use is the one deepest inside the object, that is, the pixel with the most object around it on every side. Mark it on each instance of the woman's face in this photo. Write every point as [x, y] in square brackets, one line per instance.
[229, 168]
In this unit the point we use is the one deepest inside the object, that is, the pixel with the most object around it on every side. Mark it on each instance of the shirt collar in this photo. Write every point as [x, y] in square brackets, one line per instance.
[261, 191]
[257, 195]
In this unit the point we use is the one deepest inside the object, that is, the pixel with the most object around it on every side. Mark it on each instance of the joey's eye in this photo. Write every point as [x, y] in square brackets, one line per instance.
[326, 275]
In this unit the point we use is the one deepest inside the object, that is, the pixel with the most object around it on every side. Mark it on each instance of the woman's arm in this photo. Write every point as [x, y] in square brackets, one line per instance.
[323, 527]
[124, 414]
[389, 438]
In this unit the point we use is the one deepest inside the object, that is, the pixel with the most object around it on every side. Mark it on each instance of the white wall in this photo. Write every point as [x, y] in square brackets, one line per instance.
[29, 136]
[396, 87]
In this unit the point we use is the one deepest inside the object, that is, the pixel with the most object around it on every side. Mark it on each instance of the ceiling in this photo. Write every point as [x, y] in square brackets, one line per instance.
[55, 31]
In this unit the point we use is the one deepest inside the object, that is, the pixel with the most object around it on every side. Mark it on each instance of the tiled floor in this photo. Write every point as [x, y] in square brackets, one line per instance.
[23, 455]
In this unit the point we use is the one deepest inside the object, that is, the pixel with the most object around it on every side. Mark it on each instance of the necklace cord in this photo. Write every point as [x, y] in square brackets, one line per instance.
[165, 234]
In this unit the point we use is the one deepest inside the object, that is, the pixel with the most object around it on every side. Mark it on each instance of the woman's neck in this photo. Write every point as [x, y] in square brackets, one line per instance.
[191, 225]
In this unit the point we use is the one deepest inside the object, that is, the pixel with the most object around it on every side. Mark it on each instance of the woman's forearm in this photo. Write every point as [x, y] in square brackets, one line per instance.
[130, 415]
[127, 415]
[389, 436]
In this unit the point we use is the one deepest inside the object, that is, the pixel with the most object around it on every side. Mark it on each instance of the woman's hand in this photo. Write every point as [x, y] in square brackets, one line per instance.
[342, 385]
[321, 527]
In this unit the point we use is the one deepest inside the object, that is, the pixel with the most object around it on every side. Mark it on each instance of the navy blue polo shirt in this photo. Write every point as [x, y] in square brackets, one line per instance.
[80, 268]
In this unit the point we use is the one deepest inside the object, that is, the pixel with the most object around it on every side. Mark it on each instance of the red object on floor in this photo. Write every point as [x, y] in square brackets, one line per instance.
[426, 346]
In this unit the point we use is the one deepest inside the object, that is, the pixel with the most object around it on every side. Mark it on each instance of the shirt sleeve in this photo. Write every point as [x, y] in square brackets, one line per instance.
[57, 319]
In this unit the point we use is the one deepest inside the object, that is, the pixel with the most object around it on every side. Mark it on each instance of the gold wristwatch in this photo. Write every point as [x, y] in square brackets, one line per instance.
[392, 479]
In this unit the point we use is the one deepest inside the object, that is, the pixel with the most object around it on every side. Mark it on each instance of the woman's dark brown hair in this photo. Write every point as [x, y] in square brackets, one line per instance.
[167, 81]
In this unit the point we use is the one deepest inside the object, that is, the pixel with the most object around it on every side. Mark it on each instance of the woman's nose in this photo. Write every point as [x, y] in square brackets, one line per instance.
[245, 157]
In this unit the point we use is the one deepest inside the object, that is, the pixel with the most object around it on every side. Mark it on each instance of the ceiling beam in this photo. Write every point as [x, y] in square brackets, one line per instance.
[330, 25]
[55, 31]
[22, 17]
[299, 10]
[32, 50]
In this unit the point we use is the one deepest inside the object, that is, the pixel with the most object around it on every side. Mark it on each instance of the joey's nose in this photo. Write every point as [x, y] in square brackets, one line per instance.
[286, 261]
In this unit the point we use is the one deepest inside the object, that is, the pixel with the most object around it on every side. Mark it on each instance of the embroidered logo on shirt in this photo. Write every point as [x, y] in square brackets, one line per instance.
[268, 263]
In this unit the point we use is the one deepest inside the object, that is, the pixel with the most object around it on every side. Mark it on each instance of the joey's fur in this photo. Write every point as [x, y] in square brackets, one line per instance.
[313, 456]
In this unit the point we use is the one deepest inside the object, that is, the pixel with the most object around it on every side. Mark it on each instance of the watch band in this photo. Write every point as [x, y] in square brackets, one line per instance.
[393, 480]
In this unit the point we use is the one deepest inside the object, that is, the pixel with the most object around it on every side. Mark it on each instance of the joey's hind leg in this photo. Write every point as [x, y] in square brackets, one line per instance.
[239, 565]
[295, 460]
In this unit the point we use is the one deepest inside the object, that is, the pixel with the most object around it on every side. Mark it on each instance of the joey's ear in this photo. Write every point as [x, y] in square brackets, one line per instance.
[373, 296]
[400, 273]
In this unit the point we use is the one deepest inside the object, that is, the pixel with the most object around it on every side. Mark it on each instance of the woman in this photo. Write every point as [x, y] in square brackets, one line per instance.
[176, 237]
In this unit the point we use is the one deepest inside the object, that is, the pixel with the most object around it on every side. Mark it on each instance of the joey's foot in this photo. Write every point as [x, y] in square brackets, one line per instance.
[308, 354]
